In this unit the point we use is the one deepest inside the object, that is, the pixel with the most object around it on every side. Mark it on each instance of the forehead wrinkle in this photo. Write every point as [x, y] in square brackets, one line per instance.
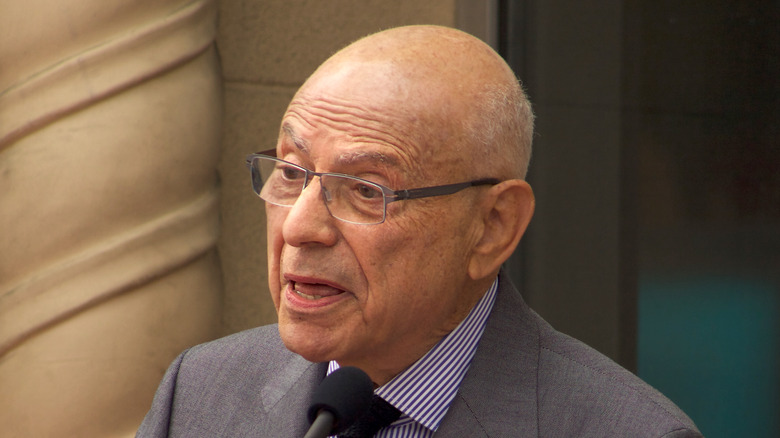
[356, 121]
[363, 125]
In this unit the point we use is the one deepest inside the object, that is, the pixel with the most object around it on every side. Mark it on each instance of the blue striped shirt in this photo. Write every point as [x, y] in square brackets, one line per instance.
[424, 391]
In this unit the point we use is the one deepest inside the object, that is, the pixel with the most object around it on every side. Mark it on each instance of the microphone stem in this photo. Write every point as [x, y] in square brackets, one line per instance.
[321, 426]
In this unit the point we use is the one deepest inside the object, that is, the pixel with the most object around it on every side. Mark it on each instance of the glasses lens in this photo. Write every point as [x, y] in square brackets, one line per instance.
[347, 198]
[276, 181]
[353, 199]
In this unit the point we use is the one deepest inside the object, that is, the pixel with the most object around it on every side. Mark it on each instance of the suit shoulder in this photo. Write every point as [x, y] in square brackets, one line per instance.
[245, 342]
[229, 386]
[581, 391]
[242, 351]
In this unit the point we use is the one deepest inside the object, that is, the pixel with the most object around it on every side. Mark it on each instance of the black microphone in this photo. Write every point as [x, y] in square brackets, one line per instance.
[341, 398]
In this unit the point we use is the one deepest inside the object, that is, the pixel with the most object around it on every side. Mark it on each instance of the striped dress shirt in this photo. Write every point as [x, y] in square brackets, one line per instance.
[424, 391]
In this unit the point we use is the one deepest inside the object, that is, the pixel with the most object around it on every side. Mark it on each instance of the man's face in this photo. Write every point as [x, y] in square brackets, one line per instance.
[373, 296]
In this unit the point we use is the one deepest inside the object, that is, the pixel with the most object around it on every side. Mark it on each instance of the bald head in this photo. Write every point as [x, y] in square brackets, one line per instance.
[452, 92]
[411, 110]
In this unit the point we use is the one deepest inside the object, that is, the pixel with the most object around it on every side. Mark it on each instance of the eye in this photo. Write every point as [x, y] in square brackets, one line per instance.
[367, 191]
[291, 173]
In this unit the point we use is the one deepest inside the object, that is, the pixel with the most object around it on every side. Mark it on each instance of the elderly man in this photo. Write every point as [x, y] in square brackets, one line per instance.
[393, 197]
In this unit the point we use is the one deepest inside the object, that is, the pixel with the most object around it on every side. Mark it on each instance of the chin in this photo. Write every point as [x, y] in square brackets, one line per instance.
[304, 343]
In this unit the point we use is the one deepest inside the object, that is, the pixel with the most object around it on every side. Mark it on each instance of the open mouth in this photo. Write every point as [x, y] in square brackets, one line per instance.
[314, 291]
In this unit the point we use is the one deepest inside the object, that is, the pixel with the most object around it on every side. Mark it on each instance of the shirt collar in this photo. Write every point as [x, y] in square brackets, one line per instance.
[425, 390]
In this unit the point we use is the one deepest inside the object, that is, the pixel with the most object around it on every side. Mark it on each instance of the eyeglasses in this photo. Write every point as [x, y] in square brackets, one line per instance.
[347, 198]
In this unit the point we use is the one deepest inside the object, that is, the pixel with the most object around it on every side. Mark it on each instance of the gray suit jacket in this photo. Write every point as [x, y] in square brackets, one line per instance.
[526, 380]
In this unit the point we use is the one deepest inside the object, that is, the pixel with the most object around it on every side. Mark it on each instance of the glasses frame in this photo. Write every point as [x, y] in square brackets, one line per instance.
[389, 195]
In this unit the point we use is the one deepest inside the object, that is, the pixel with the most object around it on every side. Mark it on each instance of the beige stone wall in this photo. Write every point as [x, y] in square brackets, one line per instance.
[268, 48]
[110, 129]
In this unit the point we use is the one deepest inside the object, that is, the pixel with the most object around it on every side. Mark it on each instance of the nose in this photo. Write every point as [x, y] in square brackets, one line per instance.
[309, 221]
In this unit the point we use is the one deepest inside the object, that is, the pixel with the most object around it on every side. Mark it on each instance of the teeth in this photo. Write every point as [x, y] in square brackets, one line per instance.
[307, 296]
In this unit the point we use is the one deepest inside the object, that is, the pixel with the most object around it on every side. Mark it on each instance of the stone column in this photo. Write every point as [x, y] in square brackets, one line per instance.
[110, 123]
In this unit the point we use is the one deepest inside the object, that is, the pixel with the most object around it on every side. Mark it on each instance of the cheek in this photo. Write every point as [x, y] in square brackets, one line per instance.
[386, 250]
[421, 247]
[394, 259]
[274, 222]
[275, 217]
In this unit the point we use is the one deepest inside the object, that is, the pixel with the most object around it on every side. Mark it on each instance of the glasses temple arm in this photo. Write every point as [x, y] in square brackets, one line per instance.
[447, 189]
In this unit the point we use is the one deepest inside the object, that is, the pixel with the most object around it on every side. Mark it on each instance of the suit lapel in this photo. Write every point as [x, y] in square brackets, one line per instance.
[291, 395]
[498, 395]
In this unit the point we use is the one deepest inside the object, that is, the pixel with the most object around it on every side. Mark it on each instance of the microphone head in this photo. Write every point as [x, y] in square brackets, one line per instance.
[346, 393]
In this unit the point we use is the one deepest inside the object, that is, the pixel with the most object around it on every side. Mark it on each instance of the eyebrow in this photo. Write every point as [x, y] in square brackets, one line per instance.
[299, 142]
[357, 157]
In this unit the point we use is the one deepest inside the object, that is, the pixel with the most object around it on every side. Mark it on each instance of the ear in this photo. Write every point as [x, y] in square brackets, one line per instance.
[505, 213]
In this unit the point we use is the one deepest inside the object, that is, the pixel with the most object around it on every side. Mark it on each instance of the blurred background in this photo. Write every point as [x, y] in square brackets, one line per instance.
[657, 173]
[656, 169]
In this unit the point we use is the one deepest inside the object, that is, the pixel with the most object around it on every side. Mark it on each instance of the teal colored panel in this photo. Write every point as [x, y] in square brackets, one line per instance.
[712, 345]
